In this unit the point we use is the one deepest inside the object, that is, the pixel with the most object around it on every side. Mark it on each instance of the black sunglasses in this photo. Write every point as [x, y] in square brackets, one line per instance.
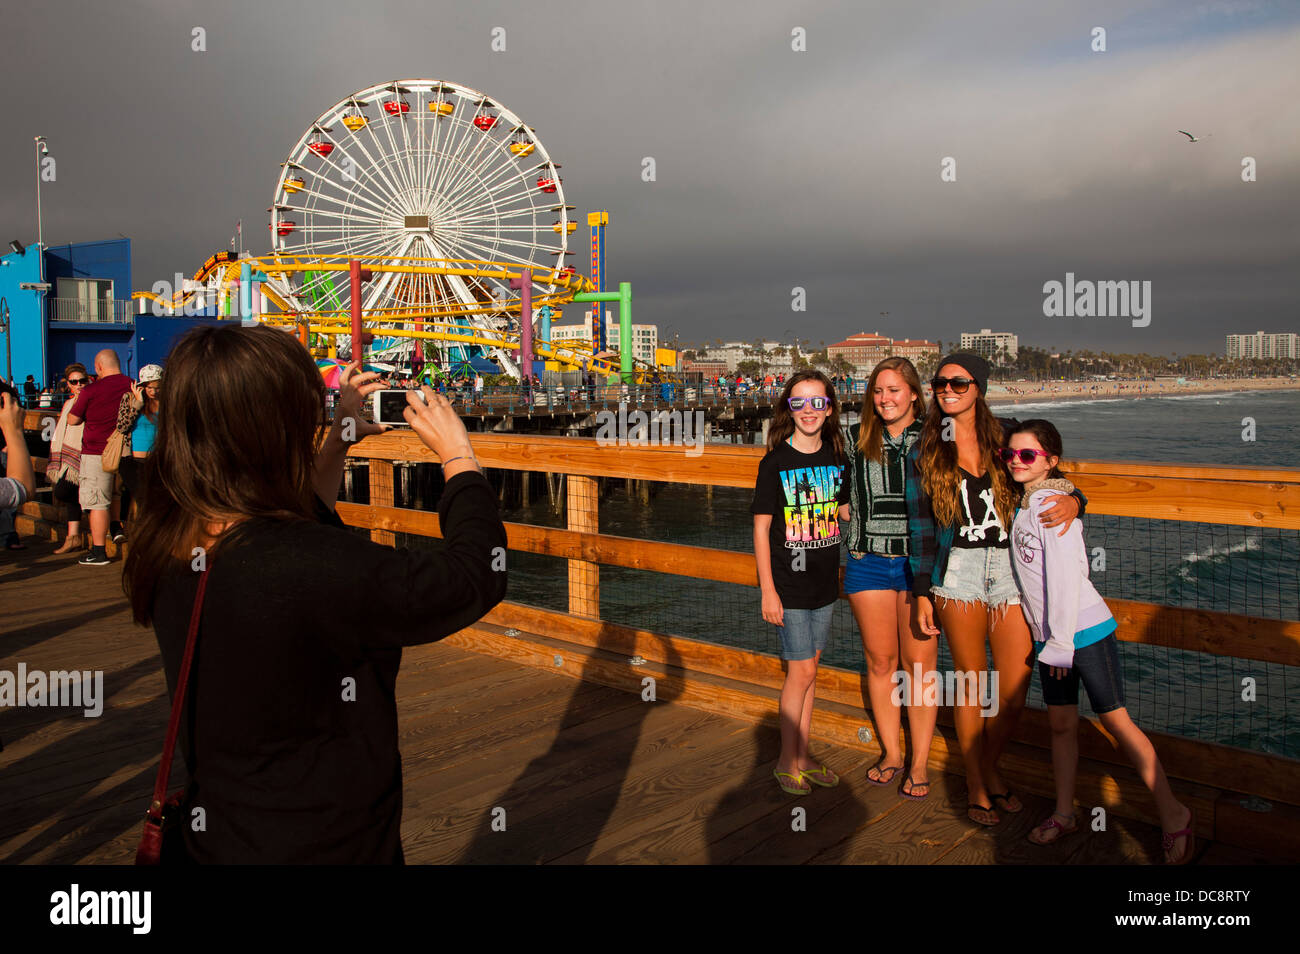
[958, 385]
[76, 380]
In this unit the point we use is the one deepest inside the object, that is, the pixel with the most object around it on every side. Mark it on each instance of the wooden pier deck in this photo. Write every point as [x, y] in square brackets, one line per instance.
[585, 773]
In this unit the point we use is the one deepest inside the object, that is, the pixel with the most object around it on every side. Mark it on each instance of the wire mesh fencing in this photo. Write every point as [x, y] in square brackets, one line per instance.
[1240, 570]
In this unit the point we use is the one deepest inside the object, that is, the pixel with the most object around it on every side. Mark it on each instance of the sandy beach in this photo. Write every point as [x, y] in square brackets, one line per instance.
[1024, 392]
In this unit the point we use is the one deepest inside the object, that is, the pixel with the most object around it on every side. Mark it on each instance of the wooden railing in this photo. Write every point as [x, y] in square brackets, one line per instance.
[1250, 497]
[1237, 496]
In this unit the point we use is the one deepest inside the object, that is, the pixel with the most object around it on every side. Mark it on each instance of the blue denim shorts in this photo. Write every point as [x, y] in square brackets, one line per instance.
[805, 632]
[872, 571]
[983, 576]
[1098, 666]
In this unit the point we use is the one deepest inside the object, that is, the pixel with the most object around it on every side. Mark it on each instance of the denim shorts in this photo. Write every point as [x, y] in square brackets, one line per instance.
[1098, 666]
[983, 575]
[872, 571]
[805, 632]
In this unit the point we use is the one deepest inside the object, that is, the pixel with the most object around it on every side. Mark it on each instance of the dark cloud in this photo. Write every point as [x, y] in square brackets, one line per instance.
[774, 168]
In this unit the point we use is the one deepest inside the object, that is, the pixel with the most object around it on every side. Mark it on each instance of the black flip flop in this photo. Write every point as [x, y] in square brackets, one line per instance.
[910, 785]
[983, 808]
[893, 771]
[1006, 797]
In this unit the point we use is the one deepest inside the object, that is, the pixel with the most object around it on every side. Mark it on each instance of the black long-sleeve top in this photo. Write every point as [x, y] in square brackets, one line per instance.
[291, 728]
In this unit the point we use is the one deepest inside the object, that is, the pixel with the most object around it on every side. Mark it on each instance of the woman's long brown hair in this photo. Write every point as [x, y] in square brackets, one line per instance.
[870, 433]
[783, 420]
[241, 412]
[938, 465]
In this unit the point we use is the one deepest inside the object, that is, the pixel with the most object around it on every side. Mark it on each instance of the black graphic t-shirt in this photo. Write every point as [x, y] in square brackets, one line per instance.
[800, 491]
[980, 525]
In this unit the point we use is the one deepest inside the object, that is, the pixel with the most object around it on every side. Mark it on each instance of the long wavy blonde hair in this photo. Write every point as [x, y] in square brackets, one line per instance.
[870, 440]
[939, 471]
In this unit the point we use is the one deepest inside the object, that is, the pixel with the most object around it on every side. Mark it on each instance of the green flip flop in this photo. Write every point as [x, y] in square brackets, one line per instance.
[791, 789]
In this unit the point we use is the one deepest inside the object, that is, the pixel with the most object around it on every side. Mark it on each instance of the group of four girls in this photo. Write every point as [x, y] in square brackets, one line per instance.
[959, 523]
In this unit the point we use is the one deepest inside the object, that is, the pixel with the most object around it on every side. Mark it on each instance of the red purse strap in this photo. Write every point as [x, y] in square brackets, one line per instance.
[178, 703]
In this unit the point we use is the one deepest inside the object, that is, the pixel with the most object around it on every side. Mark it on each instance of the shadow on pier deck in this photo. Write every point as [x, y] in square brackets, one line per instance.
[585, 772]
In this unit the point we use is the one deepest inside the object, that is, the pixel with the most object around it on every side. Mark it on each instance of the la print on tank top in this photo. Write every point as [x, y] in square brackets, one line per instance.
[980, 525]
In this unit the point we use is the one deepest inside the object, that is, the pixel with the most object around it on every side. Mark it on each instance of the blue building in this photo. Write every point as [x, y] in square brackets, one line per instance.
[83, 307]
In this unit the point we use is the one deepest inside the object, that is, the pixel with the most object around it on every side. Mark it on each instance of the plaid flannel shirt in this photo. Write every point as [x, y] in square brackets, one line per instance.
[930, 544]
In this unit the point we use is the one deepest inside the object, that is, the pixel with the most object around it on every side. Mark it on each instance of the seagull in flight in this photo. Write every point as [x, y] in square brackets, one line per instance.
[1191, 137]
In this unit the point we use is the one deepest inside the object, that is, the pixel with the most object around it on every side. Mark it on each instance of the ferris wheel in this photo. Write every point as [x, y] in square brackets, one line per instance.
[419, 169]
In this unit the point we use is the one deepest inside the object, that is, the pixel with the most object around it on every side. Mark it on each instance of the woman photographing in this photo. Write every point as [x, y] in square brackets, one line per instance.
[290, 723]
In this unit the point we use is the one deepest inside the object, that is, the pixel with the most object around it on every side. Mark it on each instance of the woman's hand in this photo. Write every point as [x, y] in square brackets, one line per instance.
[773, 611]
[355, 386]
[1063, 511]
[925, 616]
[137, 396]
[437, 425]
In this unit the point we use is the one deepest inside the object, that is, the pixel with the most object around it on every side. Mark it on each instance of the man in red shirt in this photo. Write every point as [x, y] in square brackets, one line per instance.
[97, 407]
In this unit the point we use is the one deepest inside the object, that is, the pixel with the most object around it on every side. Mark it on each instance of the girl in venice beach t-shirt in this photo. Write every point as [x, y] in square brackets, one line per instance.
[796, 546]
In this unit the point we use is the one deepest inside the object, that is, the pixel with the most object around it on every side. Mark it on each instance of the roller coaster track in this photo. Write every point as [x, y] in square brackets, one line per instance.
[458, 323]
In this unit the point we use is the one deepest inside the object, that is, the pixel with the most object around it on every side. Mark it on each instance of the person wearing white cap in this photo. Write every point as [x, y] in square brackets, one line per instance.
[138, 418]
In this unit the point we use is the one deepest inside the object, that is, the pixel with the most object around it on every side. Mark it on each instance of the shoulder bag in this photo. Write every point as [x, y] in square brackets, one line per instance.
[119, 442]
[164, 813]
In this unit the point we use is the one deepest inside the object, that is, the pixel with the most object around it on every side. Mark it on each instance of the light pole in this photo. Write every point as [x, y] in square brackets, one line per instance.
[41, 150]
[4, 326]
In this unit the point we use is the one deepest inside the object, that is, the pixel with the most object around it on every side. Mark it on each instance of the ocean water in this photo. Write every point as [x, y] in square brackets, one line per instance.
[1233, 569]
[1184, 429]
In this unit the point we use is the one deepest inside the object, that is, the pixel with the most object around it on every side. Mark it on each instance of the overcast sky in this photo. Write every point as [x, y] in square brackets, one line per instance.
[775, 168]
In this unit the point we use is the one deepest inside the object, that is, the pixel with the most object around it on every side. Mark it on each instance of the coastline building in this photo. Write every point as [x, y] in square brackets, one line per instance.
[864, 351]
[775, 356]
[916, 350]
[706, 367]
[645, 338]
[990, 344]
[1260, 345]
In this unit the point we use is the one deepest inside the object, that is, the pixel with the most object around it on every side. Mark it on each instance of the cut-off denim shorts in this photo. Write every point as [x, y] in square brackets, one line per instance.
[1098, 666]
[983, 576]
[872, 571]
[805, 632]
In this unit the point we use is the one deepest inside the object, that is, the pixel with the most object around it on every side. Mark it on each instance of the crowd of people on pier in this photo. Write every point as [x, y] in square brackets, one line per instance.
[97, 406]
[955, 522]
